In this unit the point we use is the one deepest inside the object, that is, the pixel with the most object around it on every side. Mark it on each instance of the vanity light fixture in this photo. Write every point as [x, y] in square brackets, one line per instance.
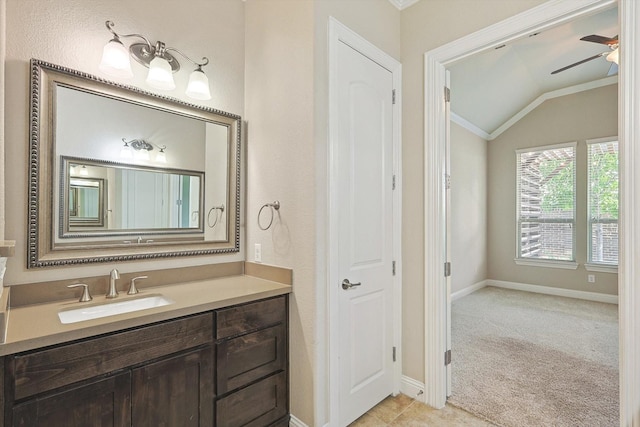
[141, 149]
[161, 64]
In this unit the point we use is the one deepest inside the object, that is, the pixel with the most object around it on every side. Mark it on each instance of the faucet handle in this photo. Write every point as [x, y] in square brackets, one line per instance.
[132, 288]
[86, 296]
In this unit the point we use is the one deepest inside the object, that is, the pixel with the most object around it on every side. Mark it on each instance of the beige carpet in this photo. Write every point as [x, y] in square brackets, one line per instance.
[524, 359]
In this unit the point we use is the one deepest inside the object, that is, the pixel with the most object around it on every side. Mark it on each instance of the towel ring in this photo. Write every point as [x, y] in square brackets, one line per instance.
[215, 208]
[274, 206]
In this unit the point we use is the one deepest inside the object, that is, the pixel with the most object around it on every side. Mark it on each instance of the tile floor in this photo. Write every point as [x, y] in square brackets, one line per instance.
[402, 410]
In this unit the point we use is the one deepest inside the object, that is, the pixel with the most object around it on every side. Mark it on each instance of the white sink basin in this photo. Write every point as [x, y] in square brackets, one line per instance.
[112, 308]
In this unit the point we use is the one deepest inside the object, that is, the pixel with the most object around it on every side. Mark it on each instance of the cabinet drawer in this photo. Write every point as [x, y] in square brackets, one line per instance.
[249, 357]
[45, 370]
[240, 319]
[257, 405]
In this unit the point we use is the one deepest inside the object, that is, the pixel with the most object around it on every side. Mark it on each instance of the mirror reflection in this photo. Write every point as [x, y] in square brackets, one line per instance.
[121, 199]
[86, 201]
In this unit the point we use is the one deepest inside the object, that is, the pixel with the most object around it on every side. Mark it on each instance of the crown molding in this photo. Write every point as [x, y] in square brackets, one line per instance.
[466, 124]
[403, 4]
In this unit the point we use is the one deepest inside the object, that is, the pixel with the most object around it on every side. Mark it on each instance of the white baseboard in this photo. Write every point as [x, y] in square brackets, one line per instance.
[295, 422]
[589, 296]
[412, 388]
[468, 290]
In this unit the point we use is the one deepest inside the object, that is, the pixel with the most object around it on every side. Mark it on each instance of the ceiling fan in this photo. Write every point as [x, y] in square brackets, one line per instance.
[611, 55]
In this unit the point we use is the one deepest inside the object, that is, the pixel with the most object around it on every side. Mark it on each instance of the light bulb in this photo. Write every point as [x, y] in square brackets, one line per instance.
[125, 153]
[142, 154]
[115, 60]
[160, 75]
[198, 86]
[614, 56]
[161, 157]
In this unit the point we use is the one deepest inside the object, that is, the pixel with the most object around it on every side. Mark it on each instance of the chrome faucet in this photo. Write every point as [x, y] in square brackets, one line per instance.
[113, 292]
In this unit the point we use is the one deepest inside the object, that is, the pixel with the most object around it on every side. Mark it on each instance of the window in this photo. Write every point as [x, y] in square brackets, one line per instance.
[546, 203]
[602, 202]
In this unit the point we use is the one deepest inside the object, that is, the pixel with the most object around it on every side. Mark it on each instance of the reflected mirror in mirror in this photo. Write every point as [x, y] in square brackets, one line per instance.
[110, 199]
[86, 201]
[117, 173]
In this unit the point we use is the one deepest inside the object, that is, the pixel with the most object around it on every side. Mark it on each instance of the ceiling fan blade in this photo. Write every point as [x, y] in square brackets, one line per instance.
[594, 38]
[579, 62]
[613, 70]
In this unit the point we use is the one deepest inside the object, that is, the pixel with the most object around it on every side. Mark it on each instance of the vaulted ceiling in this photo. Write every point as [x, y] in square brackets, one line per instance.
[492, 89]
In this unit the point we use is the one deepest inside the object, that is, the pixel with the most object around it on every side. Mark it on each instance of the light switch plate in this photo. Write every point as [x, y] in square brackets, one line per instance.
[257, 252]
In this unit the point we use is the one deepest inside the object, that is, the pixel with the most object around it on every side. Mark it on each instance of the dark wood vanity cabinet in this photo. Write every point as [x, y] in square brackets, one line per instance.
[228, 367]
[252, 382]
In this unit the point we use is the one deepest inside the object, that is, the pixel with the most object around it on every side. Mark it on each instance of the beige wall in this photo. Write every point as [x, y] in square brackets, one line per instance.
[72, 34]
[427, 25]
[585, 115]
[468, 208]
[281, 157]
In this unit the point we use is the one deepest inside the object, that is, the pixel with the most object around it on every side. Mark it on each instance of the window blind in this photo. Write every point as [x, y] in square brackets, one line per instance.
[546, 203]
[602, 202]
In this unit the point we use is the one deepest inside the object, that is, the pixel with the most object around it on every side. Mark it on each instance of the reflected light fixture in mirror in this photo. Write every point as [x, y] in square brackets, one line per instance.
[161, 64]
[140, 149]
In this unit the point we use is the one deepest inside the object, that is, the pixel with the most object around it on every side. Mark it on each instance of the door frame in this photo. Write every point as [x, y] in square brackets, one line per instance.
[546, 15]
[339, 33]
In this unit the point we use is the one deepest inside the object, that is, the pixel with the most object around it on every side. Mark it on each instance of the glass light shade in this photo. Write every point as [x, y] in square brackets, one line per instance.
[614, 56]
[84, 171]
[125, 153]
[72, 170]
[142, 154]
[161, 157]
[115, 60]
[160, 75]
[198, 86]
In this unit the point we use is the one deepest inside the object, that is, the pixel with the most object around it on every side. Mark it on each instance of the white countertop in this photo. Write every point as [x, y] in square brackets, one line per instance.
[38, 325]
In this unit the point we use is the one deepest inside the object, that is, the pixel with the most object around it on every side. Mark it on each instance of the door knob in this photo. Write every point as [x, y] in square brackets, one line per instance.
[346, 284]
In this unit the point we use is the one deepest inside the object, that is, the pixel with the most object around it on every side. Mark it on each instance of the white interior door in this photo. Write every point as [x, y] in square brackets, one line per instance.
[364, 160]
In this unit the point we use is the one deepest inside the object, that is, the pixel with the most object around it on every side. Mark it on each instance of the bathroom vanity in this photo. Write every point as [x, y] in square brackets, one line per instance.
[223, 364]
[215, 351]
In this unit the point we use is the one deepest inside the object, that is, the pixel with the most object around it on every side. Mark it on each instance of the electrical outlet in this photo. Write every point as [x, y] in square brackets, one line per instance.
[591, 278]
[257, 252]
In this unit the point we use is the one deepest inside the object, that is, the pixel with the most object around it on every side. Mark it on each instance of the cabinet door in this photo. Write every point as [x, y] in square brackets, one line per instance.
[177, 391]
[104, 403]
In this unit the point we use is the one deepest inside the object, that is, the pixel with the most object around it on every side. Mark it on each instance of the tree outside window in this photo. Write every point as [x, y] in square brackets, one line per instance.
[603, 192]
[546, 203]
